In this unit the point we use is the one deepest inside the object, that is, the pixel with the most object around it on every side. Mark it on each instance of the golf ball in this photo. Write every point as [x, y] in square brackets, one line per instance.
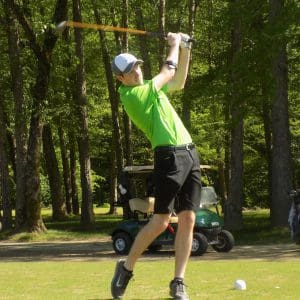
[240, 284]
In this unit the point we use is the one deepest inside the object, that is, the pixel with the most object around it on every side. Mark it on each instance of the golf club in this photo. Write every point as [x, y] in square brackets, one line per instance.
[61, 27]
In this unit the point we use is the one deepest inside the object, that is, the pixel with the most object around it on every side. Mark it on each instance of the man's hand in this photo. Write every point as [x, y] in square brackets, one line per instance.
[185, 41]
[173, 39]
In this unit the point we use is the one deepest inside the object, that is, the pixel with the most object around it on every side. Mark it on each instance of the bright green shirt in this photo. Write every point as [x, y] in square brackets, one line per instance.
[151, 111]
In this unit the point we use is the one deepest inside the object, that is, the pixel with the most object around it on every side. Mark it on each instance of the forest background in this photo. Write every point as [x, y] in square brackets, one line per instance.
[64, 137]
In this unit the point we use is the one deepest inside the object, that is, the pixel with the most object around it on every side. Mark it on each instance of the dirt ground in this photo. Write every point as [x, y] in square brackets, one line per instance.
[102, 250]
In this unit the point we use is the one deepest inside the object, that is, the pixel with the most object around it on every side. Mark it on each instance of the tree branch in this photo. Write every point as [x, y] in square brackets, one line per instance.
[17, 10]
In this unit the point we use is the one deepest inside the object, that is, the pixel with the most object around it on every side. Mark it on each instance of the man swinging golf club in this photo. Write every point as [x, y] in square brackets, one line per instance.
[176, 162]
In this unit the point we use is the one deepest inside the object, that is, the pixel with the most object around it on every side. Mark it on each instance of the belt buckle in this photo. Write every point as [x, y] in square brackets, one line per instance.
[188, 147]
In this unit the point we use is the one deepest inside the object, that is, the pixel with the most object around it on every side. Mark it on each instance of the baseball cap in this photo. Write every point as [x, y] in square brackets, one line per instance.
[123, 63]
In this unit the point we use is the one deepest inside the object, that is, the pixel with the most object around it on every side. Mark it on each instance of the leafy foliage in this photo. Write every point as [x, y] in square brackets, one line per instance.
[208, 91]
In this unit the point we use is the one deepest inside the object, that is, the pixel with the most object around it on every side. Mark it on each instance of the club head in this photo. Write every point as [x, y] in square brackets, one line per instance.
[61, 27]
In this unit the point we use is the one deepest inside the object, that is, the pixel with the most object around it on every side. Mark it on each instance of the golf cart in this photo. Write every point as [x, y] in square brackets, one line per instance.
[208, 226]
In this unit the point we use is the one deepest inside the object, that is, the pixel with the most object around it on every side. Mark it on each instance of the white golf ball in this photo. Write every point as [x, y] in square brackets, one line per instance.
[240, 284]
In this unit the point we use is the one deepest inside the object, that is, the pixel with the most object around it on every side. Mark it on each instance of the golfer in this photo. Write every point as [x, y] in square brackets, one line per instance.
[176, 163]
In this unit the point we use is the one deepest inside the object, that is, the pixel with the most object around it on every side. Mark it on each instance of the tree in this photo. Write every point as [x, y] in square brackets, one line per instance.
[186, 106]
[4, 173]
[281, 153]
[87, 214]
[20, 118]
[43, 56]
[65, 158]
[57, 197]
[117, 155]
[233, 205]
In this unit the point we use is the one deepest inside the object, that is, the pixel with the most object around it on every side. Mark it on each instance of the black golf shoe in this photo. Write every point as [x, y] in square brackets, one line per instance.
[120, 280]
[177, 290]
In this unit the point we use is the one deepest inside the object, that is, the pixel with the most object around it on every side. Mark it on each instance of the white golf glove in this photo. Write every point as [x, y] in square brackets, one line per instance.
[185, 41]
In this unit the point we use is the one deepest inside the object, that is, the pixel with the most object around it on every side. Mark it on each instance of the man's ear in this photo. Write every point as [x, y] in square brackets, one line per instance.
[120, 77]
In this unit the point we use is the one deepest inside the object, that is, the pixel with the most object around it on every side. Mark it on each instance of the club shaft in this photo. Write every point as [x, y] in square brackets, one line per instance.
[114, 28]
[105, 27]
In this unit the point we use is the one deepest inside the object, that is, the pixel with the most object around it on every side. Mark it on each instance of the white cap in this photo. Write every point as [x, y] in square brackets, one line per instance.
[240, 284]
[123, 63]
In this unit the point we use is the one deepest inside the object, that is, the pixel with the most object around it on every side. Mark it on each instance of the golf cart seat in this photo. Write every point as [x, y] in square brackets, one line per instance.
[144, 206]
[173, 219]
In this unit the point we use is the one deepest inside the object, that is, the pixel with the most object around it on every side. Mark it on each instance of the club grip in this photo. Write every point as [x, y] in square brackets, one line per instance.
[164, 35]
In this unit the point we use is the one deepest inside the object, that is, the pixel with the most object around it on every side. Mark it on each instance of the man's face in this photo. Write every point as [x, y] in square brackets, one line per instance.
[132, 78]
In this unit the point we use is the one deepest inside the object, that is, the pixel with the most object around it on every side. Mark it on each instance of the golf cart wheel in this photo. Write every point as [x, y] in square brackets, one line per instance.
[154, 248]
[199, 245]
[225, 242]
[122, 242]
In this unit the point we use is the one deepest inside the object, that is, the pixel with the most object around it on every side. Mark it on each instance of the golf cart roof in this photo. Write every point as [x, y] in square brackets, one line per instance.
[149, 169]
[138, 169]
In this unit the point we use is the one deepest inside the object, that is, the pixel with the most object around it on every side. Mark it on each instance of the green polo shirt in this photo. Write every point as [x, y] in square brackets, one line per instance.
[151, 111]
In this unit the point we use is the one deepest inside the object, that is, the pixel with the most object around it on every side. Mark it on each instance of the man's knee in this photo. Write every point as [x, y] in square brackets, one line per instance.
[186, 218]
[159, 223]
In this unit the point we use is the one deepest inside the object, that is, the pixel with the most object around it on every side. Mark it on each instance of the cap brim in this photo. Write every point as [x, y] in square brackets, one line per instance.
[131, 65]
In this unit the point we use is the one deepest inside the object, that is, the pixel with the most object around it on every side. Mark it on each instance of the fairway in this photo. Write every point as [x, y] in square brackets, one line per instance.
[205, 280]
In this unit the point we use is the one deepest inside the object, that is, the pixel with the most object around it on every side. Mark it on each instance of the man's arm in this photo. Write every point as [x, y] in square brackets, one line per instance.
[178, 81]
[174, 72]
[167, 72]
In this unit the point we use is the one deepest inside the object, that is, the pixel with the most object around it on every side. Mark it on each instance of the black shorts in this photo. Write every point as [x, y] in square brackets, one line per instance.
[177, 179]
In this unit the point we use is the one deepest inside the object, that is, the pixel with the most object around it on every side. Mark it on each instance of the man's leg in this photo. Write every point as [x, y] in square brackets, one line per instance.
[148, 233]
[124, 268]
[183, 244]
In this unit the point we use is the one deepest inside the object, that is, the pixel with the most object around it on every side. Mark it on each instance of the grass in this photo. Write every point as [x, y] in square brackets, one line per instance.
[257, 229]
[68, 230]
[205, 280]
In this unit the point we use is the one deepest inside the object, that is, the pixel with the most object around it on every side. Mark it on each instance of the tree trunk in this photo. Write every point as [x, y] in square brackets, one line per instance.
[124, 24]
[57, 198]
[11, 150]
[113, 183]
[114, 103]
[127, 153]
[87, 214]
[233, 207]
[33, 197]
[143, 42]
[227, 143]
[74, 191]
[221, 179]
[161, 28]
[268, 136]
[4, 174]
[43, 54]
[186, 98]
[20, 119]
[281, 155]
[66, 169]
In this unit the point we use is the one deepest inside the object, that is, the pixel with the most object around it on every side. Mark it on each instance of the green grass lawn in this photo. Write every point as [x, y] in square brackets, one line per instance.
[257, 229]
[70, 229]
[205, 279]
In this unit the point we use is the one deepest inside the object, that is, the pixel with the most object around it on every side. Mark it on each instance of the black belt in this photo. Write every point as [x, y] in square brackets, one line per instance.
[175, 148]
